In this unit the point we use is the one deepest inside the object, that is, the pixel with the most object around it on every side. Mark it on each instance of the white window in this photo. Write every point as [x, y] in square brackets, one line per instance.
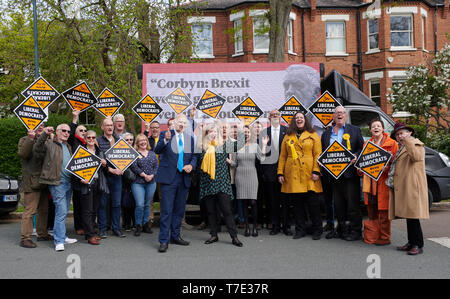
[202, 40]
[401, 31]
[372, 33]
[290, 37]
[260, 35]
[375, 94]
[238, 42]
[423, 32]
[335, 38]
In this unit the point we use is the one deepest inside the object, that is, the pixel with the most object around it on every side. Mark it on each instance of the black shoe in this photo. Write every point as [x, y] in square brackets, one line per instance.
[328, 227]
[317, 236]
[219, 228]
[274, 232]
[287, 232]
[127, 228]
[406, 247]
[331, 235]
[146, 228]
[163, 247]
[247, 231]
[118, 233]
[211, 240]
[103, 235]
[179, 242]
[254, 232]
[138, 230]
[236, 242]
[353, 236]
[299, 235]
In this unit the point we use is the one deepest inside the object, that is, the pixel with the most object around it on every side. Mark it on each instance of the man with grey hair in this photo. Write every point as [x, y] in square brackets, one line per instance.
[57, 153]
[303, 82]
[119, 125]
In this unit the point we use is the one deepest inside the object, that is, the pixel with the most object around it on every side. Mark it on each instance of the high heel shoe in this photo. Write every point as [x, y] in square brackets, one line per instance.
[255, 232]
[247, 231]
[235, 241]
[212, 240]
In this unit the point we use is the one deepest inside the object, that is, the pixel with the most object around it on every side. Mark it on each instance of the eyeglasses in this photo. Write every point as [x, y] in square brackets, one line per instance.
[82, 130]
[90, 137]
[128, 139]
[65, 131]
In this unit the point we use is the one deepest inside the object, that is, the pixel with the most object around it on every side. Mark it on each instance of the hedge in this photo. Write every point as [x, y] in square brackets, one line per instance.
[11, 130]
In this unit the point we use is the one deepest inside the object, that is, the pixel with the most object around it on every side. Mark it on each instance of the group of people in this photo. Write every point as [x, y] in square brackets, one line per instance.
[240, 174]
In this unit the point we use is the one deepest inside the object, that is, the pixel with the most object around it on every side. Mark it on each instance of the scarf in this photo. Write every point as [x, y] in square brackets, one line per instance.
[209, 161]
[390, 179]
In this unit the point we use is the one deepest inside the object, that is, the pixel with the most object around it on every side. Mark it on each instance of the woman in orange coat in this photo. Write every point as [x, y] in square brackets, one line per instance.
[377, 230]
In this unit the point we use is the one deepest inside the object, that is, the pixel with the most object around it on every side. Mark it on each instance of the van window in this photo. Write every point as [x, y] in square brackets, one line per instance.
[363, 118]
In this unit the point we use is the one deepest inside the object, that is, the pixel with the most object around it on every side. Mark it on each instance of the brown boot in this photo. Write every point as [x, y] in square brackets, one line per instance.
[93, 241]
[27, 244]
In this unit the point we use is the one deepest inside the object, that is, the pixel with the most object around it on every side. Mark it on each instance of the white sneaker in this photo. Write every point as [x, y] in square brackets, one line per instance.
[70, 241]
[59, 247]
[34, 232]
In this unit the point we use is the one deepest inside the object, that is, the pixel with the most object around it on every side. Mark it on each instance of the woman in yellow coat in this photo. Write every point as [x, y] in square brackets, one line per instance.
[298, 173]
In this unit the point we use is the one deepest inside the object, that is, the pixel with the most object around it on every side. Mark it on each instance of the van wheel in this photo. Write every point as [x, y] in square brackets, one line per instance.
[430, 199]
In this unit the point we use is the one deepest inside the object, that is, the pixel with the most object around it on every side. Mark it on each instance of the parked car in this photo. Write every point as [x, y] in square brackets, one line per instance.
[9, 194]
[361, 110]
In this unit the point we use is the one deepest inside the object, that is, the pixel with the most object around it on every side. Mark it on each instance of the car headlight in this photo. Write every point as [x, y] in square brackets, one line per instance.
[445, 159]
[14, 185]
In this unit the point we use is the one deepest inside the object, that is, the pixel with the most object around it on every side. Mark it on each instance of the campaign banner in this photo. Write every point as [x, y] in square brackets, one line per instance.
[336, 159]
[42, 92]
[323, 108]
[268, 84]
[108, 104]
[79, 97]
[178, 101]
[147, 109]
[211, 103]
[372, 160]
[290, 108]
[30, 113]
[83, 164]
[247, 111]
[121, 155]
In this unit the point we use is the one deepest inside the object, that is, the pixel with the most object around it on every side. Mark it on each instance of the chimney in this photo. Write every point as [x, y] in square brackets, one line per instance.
[313, 9]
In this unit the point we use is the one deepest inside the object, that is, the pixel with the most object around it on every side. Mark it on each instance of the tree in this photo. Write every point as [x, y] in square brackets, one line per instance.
[278, 18]
[425, 93]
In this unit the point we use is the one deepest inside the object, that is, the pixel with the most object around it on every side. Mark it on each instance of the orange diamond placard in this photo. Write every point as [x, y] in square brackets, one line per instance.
[147, 109]
[290, 108]
[108, 103]
[211, 103]
[178, 100]
[83, 164]
[248, 111]
[79, 97]
[121, 155]
[42, 92]
[372, 160]
[336, 159]
[323, 108]
[30, 113]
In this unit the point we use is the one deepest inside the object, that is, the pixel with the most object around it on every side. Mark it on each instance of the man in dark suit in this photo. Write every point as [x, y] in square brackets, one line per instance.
[346, 189]
[176, 162]
[269, 165]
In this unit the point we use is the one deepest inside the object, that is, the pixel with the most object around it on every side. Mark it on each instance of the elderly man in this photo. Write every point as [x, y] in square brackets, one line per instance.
[177, 160]
[346, 189]
[114, 180]
[35, 194]
[57, 153]
[119, 125]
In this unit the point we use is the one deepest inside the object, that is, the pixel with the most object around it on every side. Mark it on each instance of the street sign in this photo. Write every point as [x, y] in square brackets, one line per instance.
[323, 108]
[336, 159]
[290, 108]
[372, 160]
[147, 109]
[42, 92]
[248, 111]
[178, 100]
[121, 155]
[79, 97]
[30, 113]
[83, 164]
[211, 103]
[108, 103]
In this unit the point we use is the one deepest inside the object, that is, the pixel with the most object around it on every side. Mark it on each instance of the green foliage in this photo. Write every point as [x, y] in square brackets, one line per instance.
[420, 132]
[11, 130]
[440, 142]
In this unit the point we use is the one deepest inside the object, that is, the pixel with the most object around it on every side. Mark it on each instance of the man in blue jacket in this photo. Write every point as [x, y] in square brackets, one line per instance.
[176, 163]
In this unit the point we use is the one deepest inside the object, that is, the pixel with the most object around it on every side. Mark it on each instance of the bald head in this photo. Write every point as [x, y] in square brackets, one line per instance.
[180, 123]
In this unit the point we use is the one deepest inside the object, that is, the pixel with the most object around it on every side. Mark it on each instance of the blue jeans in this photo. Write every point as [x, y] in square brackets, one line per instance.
[143, 195]
[115, 193]
[61, 198]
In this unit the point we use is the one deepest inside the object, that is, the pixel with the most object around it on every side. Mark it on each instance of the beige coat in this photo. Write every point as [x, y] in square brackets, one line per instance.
[409, 199]
[297, 172]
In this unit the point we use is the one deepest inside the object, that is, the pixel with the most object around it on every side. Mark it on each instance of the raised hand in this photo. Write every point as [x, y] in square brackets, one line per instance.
[31, 134]
[168, 135]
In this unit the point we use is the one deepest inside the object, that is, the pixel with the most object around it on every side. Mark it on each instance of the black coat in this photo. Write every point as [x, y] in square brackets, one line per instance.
[269, 171]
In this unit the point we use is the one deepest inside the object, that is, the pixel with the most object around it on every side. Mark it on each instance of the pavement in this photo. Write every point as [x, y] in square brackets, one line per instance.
[262, 257]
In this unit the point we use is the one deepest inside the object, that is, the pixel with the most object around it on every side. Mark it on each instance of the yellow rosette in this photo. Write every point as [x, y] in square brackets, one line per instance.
[293, 151]
[346, 137]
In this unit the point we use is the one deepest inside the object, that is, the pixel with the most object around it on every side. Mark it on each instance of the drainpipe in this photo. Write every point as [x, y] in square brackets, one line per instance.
[303, 36]
[435, 34]
[358, 28]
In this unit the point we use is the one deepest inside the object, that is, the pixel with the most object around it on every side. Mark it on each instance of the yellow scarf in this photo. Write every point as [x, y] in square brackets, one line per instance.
[291, 142]
[209, 161]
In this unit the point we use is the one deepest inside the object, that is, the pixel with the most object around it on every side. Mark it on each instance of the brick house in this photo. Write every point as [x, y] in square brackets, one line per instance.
[371, 46]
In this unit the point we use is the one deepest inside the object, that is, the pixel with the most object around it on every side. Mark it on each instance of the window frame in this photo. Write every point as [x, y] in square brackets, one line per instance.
[377, 49]
[411, 31]
[203, 55]
[372, 82]
[259, 50]
[336, 53]
[238, 40]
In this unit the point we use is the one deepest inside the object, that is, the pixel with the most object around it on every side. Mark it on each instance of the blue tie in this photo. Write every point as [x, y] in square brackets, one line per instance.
[180, 153]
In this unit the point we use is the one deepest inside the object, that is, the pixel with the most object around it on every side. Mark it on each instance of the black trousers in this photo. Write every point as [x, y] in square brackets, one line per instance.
[328, 201]
[307, 204]
[263, 203]
[222, 201]
[279, 204]
[415, 235]
[347, 198]
[254, 208]
[77, 217]
[89, 203]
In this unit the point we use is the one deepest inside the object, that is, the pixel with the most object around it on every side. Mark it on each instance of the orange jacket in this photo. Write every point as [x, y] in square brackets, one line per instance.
[382, 189]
